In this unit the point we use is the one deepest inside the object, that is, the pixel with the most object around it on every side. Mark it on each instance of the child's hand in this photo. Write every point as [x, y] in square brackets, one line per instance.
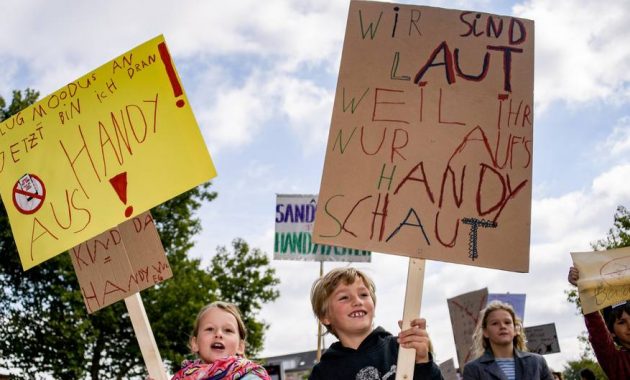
[416, 337]
[574, 276]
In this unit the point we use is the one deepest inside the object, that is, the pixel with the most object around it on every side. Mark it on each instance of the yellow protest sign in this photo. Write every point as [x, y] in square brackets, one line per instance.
[430, 147]
[604, 277]
[100, 150]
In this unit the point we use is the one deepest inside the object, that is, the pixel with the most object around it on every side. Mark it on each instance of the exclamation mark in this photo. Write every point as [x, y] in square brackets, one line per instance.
[172, 76]
[119, 183]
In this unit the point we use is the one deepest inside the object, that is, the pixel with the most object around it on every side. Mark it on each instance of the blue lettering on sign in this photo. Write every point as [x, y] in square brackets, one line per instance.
[301, 243]
[295, 213]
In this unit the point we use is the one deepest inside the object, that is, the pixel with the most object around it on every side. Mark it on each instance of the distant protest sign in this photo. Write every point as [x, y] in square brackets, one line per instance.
[295, 214]
[604, 277]
[542, 339]
[430, 147]
[100, 150]
[448, 370]
[517, 301]
[120, 262]
[464, 311]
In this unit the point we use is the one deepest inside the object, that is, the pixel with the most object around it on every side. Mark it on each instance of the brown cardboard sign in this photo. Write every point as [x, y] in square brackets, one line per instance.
[448, 370]
[542, 339]
[464, 311]
[120, 262]
[604, 277]
[430, 146]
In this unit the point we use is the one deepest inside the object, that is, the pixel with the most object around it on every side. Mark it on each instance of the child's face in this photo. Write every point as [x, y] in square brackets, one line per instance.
[622, 329]
[499, 328]
[350, 310]
[217, 336]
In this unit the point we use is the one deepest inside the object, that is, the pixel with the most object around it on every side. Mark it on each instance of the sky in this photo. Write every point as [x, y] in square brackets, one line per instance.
[260, 77]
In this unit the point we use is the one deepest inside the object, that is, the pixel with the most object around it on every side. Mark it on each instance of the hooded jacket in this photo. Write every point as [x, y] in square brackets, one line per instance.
[374, 359]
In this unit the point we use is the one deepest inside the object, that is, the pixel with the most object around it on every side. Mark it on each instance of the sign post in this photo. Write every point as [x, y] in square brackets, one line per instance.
[411, 310]
[144, 334]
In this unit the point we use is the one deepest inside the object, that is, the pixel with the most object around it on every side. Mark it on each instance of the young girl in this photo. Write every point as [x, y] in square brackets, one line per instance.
[614, 361]
[499, 343]
[218, 339]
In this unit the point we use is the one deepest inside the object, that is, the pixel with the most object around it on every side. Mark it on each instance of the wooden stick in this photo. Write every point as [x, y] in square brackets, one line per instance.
[319, 324]
[411, 310]
[144, 334]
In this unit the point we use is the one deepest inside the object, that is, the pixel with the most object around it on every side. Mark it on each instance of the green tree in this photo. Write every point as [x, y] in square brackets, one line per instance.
[572, 369]
[44, 325]
[247, 281]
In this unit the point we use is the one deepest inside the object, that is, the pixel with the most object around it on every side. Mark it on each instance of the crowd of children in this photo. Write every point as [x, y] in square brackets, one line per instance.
[344, 301]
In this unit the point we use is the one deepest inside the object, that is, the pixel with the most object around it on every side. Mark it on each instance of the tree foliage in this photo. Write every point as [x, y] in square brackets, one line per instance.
[572, 369]
[245, 283]
[45, 327]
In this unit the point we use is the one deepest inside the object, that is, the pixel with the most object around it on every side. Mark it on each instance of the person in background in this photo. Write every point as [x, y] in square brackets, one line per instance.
[499, 344]
[610, 339]
[557, 375]
[344, 302]
[218, 340]
[587, 374]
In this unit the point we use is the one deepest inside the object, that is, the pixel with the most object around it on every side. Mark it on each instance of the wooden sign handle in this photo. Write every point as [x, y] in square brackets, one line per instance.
[144, 334]
[411, 310]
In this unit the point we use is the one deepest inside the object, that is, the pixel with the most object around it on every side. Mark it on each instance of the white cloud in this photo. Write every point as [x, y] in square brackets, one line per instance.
[236, 114]
[274, 30]
[582, 52]
[308, 108]
[618, 143]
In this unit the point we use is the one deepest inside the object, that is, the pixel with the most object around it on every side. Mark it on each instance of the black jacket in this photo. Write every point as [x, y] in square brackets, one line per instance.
[375, 359]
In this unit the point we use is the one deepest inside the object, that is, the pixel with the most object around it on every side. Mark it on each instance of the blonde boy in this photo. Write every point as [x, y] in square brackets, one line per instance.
[344, 302]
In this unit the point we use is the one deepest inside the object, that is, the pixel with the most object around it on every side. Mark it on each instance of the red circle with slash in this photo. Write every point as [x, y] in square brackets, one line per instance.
[29, 193]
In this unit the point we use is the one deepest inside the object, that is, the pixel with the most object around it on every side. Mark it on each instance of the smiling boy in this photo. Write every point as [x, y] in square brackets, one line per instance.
[344, 302]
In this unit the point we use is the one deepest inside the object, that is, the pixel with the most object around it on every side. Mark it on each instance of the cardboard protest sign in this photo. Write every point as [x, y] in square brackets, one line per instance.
[517, 301]
[604, 277]
[464, 311]
[430, 147]
[102, 149]
[448, 370]
[120, 262]
[293, 240]
[542, 339]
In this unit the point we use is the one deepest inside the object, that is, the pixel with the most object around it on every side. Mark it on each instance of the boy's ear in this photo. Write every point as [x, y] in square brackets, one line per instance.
[325, 321]
[241, 348]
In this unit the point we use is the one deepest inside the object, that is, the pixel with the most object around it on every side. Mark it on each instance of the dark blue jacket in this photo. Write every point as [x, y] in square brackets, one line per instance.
[528, 366]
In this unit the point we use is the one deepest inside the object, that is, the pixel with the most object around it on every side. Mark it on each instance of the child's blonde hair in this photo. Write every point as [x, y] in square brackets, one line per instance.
[481, 343]
[324, 287]
[227, 307]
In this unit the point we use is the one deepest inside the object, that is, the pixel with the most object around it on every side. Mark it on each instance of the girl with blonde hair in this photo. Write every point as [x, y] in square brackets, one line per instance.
[499, 344]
